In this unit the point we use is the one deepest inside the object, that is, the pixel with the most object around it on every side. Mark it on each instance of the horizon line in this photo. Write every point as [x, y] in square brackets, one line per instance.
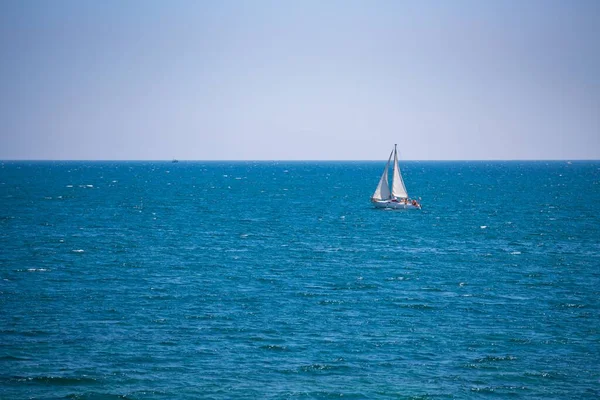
[174, 161]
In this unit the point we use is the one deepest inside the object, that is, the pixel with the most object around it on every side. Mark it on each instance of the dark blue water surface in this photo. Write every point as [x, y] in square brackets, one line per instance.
[278, 280]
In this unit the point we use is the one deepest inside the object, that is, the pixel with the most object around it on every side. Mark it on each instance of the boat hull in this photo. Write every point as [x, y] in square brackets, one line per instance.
[395, 205]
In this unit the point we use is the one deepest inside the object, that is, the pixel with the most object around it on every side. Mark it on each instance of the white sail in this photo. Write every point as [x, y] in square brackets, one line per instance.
[383, 189]
[398, 188]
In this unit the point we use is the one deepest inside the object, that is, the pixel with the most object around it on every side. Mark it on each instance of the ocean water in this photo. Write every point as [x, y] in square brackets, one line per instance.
[279, 280]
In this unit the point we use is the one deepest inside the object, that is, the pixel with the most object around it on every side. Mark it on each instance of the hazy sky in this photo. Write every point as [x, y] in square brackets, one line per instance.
[322, 79]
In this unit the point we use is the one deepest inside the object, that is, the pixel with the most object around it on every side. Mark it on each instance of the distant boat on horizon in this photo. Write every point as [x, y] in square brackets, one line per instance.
[397, 198]
[175, 161]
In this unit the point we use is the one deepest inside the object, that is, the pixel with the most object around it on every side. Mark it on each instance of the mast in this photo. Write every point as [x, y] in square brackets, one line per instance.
[398, 188]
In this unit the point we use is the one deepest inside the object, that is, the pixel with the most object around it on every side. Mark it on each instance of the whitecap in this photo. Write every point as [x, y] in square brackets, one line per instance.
[483, 226]
[515, 253]
[78, 251]
[69, 185]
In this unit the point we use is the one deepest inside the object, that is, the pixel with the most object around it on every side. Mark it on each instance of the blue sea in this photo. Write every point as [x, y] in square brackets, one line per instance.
[279, 280]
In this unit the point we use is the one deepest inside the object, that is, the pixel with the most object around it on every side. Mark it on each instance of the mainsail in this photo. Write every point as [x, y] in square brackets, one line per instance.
[398, 188]
[383, 190]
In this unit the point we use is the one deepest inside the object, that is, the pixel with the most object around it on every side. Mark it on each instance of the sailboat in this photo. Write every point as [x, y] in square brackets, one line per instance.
[398, 197]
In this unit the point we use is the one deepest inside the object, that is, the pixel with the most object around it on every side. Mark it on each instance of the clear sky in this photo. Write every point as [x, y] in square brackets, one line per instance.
[299, 80]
